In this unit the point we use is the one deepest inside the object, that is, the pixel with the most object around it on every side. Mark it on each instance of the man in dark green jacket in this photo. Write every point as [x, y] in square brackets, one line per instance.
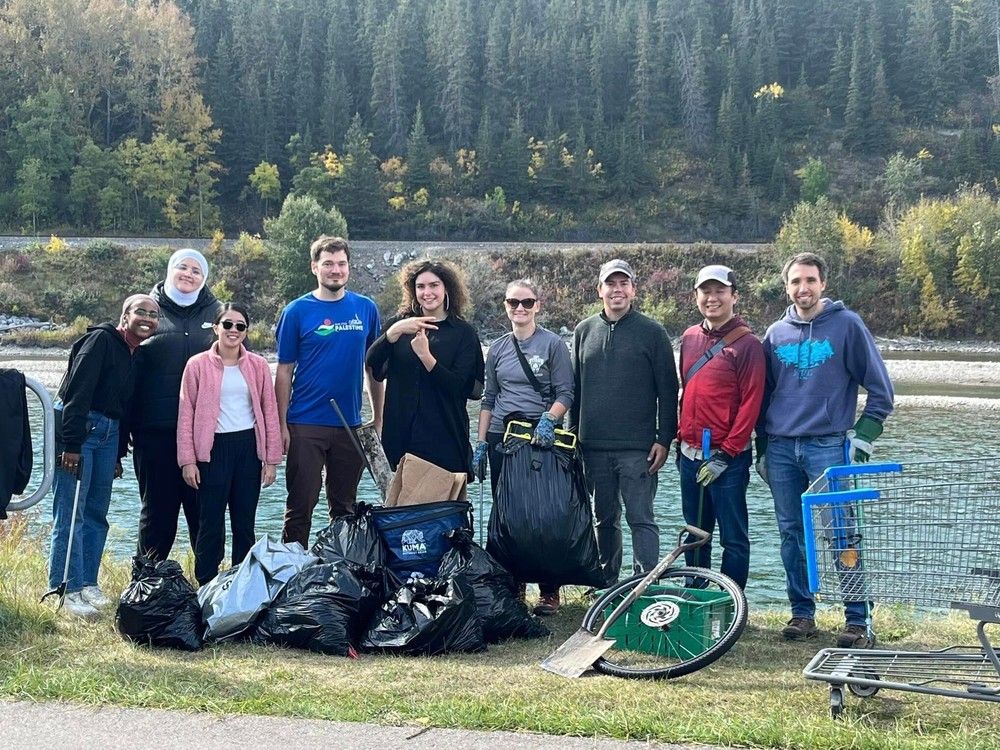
[625, 414]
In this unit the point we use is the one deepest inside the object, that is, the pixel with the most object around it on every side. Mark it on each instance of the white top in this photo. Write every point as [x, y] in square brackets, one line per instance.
[235, 408]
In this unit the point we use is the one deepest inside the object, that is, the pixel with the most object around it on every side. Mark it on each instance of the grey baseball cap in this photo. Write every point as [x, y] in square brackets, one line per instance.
[722, 274]
[616, 265]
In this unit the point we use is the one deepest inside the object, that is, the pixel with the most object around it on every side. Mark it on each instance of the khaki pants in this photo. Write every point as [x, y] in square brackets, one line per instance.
[312, 449]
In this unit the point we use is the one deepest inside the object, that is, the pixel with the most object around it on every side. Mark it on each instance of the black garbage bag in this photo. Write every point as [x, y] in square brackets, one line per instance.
[160, 607]
[502, 614]
[354, 539]
[427, 616]
[542, 526]
[317, 610]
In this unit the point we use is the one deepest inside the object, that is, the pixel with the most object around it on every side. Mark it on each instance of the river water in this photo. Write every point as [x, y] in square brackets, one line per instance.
[947, 409]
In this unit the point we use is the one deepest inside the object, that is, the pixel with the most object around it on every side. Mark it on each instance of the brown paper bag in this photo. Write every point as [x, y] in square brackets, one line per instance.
[418, 481]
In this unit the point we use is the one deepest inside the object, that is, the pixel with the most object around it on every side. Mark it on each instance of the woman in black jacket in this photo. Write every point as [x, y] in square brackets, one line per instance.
[187, 311]
[92, 400]
[433, 363]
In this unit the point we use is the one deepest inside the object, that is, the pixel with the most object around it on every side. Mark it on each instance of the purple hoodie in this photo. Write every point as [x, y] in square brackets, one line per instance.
[814, 369]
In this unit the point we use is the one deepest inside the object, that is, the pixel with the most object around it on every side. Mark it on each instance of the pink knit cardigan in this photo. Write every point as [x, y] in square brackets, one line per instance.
[201, 393]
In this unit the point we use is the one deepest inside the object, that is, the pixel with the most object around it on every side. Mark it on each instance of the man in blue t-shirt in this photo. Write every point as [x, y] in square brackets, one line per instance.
[322, 340]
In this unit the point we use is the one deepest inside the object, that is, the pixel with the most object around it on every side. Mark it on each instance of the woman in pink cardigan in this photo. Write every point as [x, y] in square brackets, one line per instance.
[228, 439]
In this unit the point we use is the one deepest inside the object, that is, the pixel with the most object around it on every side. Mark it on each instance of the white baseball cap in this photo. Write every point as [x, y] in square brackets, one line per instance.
[722, 274]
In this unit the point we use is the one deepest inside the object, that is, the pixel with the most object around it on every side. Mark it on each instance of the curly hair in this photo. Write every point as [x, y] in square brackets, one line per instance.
[452, 277]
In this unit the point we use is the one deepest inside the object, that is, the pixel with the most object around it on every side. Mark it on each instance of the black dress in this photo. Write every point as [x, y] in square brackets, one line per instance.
[425, 412]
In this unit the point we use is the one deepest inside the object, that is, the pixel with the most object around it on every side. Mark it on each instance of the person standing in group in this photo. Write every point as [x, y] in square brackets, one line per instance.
[93, 397]
[187, 311]
[625, 411]
[529, 377]
[723, 374]
[322, 339]
[228, 439]
[432, 362]
[818, 355]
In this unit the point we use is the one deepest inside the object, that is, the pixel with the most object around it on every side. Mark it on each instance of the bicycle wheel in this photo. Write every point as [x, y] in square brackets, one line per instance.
[684, 621]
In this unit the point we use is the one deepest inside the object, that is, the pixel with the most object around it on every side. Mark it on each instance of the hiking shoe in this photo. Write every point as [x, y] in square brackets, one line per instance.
[799, 629]
[95, 597]
[547, 605]
[855, 636]
[77, 606]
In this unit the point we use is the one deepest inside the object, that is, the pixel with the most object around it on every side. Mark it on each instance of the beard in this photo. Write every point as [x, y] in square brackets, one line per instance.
[333, 286]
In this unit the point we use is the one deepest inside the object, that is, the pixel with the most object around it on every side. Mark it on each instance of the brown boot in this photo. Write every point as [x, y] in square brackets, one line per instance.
[548, 604]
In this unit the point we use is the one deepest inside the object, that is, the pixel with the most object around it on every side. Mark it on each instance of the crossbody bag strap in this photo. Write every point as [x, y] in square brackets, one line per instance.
[532, 378]
[730, 338]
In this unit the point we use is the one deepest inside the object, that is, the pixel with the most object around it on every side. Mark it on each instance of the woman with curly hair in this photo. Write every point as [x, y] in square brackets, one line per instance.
[432, 362]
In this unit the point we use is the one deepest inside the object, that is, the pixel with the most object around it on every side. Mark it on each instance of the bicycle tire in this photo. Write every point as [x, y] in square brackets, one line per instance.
[681, 646]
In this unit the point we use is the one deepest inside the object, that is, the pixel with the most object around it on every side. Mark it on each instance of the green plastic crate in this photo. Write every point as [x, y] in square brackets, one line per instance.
[703, 616]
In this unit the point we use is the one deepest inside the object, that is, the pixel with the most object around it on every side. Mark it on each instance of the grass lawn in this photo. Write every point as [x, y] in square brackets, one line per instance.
[754, 696]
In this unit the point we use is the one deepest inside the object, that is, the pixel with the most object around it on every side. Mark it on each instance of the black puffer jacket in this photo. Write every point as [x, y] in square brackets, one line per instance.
[98, 378]
[183, 332]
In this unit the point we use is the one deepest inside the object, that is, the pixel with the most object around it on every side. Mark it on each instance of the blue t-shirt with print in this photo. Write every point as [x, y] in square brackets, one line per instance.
[327, 341]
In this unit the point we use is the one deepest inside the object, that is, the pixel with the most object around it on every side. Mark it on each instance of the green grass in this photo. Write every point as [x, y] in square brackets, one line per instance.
[755, 696]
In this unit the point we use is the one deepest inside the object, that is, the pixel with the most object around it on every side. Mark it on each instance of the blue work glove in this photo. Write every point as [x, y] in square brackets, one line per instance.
[479, 460]
[712, 469]
[545, 431]
[760, 446]
[863, 436]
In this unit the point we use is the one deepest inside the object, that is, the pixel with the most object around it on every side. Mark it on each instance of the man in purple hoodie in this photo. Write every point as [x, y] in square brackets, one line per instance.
[818, 355]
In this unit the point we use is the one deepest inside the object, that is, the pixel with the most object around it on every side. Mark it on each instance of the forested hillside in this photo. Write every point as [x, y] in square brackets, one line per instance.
[579, 119]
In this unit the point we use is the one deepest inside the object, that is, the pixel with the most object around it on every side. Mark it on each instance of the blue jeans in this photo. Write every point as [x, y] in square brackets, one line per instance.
[617, 478]
[723, 501]
[100, 454]
[792, 465]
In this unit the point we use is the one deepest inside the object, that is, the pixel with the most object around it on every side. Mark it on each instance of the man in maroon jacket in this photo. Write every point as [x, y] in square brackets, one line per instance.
[723, 374]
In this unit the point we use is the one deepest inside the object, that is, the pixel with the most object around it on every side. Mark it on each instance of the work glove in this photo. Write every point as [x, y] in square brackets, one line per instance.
[760, 446]
[545, 431]
[712, 469]
[479, 460]
[866, 431]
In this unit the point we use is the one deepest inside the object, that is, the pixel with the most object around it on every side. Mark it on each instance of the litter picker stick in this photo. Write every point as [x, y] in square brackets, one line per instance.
[60, 590]
[354, 439]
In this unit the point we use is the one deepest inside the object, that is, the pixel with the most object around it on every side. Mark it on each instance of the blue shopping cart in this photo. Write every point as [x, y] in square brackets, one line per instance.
[923, 534]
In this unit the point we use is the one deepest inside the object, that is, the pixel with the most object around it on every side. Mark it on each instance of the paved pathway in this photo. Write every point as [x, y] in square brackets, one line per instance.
[60, 725]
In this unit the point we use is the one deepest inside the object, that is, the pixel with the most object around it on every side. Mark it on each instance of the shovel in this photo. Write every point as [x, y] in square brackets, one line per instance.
[60, 590]
[579, 652]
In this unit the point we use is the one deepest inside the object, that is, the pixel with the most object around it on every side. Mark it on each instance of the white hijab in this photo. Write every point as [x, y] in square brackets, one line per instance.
[185, 298]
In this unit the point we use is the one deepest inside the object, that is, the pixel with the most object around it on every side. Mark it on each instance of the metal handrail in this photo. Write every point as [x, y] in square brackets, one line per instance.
[48, 447]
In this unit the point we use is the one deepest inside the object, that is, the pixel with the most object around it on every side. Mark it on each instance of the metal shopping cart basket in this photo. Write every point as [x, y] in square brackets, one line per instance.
[924, 534]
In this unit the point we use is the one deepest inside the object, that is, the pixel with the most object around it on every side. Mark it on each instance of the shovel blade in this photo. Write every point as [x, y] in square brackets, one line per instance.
[577, 654]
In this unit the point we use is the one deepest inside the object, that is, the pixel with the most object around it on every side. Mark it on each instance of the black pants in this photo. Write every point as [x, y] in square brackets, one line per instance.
[231, 478]
[162, 492]
[494, 439]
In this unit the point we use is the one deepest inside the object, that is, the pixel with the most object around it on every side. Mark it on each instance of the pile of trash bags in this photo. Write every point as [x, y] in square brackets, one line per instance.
[341, 597]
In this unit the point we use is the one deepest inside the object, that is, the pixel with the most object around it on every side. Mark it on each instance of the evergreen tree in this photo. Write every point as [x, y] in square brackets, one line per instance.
[358, 196]
[418, 152]
[921, 62]
[691, 64]
[388, 100]
[837, 84]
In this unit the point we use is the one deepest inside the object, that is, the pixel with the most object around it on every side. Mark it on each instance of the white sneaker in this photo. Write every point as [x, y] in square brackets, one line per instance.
[76, 605]
[95, 597]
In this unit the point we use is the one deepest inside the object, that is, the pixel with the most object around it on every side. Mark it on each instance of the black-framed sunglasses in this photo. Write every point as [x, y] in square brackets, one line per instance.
[228, 325]
[527, 304]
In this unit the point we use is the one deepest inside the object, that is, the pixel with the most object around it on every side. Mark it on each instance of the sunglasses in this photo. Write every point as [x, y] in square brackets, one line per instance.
[228, 325]
[527, 304]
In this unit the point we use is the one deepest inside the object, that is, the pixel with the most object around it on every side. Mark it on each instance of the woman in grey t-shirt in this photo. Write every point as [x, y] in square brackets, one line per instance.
[509, 393]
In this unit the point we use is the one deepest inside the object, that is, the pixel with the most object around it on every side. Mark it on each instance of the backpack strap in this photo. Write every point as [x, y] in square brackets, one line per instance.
[730, 338]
